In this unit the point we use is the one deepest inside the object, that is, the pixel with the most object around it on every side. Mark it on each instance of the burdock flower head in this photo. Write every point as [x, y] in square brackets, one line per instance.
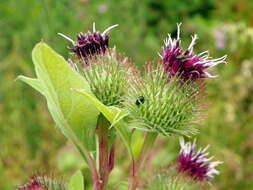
[43, 183]
[165, 107]
[105, 70]
[185, 63]
[90, 43]
[196, 164]
[108, 77]
[33, 185]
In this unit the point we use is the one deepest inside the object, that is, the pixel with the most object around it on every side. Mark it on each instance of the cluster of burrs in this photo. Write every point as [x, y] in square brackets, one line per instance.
[165, 100]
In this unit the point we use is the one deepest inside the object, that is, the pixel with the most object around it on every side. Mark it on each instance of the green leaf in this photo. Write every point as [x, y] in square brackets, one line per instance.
[55, 78]
[114, 115]
[76, 181]
[35, 83]
[118, 113]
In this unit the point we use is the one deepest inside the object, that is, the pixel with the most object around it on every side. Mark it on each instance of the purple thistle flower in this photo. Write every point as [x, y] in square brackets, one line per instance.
[33, 185]
[196, 163]
[185, 63]
[90, 43]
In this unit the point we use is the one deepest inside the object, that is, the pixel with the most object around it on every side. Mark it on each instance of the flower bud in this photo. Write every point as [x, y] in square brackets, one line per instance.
[168, 179]
[105, 70]
[107, 76]
[164, 106]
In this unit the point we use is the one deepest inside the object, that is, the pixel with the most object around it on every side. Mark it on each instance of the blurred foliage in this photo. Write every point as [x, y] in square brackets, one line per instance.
[28, 142]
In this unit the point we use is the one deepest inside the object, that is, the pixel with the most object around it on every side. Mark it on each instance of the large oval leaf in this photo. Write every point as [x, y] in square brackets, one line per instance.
[55, 78]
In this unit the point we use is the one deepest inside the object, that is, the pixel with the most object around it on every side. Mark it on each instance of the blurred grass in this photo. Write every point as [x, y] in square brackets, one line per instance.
[28, 142]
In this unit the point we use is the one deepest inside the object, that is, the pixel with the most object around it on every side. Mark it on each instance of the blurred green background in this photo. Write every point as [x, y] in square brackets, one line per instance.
[28, 141]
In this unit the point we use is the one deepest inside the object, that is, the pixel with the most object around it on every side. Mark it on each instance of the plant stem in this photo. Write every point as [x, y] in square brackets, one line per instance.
[103, 133]
[86, 156]
[112, 157]
[136, 166]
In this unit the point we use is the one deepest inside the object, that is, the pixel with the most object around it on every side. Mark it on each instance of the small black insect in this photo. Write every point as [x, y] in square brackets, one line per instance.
[140, 100]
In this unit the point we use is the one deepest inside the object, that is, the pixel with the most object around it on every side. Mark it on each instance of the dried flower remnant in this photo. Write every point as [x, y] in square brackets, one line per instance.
[90, 43]
[195, 163]
[185, 63]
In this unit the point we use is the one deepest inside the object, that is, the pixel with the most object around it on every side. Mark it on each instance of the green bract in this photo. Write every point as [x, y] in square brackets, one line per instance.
[162, 106]
[50, 184]
[70, 110]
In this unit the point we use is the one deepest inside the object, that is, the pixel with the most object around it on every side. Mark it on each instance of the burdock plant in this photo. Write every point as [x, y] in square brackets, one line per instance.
[106, 72]
[97, 96]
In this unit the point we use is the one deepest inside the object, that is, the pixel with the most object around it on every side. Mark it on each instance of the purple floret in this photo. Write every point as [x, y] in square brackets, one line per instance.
[184, 63]
[33, 185]
[195, 163]
[90, 44]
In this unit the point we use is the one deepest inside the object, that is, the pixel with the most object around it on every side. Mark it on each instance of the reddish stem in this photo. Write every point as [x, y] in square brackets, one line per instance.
[103, 133]
[133, 180]
[96, 182]
[111, 158]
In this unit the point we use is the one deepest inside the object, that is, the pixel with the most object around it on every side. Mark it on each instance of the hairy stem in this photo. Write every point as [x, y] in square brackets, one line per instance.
[137, 165]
